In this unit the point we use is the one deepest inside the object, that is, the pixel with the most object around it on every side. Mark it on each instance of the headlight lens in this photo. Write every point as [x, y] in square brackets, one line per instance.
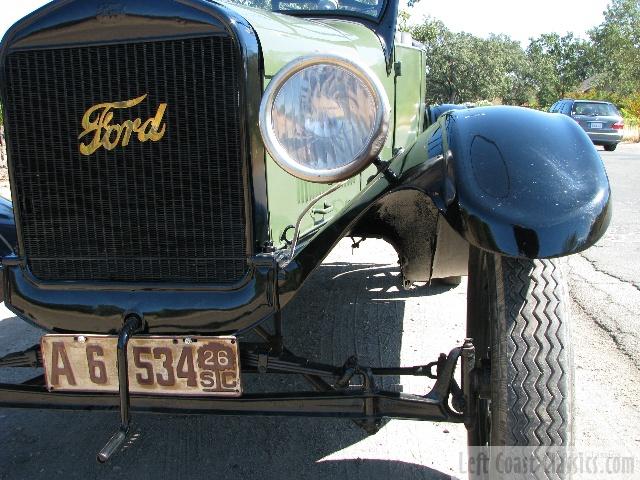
[324, 118]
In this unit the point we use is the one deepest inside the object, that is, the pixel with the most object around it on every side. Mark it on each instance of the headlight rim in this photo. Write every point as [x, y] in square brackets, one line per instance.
[379, 132]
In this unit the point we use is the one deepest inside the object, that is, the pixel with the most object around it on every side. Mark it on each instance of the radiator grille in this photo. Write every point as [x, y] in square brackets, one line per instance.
[171, 210]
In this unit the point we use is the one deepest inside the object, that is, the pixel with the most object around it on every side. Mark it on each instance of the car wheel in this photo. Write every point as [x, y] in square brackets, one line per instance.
[611, 147]
[518, 317]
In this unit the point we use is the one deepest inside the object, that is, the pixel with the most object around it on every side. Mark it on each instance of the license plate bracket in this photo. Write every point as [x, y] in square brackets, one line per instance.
[157, 365]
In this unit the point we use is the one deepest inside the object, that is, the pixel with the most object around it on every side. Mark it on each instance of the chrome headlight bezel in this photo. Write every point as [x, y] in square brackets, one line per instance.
[371, 150]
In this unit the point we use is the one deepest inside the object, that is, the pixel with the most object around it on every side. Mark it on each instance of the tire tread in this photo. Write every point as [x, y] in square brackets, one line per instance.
[538, 404]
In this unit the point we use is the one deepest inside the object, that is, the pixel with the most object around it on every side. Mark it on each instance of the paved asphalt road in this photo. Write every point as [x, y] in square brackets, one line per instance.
[353, 305]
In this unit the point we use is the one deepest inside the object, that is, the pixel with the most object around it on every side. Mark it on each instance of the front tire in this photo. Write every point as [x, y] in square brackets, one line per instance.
[518, 317]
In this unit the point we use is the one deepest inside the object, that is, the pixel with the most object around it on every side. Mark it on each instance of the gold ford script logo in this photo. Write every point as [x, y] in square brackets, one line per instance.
[97, 122]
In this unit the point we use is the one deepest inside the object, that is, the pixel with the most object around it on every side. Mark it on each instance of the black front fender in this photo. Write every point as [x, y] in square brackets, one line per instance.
[512, 180]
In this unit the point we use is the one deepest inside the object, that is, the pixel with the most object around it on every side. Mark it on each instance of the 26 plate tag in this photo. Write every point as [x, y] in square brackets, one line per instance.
[158, 365]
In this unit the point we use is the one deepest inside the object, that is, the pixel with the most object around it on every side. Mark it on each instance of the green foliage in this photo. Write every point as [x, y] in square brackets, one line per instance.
[617, 42]
[464, 68]
[403, 21]
[513, 68]
[1, 115]
[632, 105]
[557, 64]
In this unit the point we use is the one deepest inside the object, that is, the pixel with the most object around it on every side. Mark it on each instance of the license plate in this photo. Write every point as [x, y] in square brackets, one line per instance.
[596, 124]
[158, 365]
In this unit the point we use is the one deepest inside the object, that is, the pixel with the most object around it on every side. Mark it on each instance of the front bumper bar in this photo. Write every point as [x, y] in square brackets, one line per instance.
[364, 404]
[347, 404]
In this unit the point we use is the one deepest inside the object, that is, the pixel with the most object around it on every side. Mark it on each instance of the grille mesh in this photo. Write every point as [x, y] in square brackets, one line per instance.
[171, 210]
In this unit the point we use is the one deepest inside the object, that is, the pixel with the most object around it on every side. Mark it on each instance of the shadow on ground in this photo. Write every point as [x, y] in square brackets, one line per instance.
[343, 309]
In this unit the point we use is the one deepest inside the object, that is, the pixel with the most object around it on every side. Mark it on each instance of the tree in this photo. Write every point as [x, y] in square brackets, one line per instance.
[465, 68]
[403, 21]
[557, 65]
[617, 47]
[514, 86]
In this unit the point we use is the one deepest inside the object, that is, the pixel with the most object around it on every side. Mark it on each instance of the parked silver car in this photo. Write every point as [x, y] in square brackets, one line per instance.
[601, 120]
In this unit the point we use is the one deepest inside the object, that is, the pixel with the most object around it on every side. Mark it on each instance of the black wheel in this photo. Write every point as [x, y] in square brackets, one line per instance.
[611, 147]
[517, 315]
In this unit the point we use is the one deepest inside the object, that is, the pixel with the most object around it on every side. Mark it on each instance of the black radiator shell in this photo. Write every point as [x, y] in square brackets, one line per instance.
[180, 304]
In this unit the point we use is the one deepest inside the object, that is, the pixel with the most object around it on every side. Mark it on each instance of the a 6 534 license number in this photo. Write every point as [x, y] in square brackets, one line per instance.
[159, 365]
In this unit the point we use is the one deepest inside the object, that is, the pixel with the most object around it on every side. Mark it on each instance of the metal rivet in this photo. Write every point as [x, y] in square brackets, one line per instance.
[82, 338]
[188, 340]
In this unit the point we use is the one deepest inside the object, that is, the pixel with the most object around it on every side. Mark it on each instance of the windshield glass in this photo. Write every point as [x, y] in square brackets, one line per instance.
[368, 8]
[595, 109]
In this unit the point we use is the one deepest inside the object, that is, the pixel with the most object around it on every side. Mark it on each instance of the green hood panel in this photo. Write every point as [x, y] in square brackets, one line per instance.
[284, 37]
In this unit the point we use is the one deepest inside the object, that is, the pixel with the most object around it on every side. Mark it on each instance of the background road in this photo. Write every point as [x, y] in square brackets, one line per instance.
[352, 305]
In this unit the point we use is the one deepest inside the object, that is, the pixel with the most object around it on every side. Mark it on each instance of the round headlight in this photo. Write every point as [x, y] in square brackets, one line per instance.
[323, 118]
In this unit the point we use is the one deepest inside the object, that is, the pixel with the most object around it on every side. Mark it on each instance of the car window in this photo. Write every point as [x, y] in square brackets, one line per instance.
[593, 109]
[565, 108]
